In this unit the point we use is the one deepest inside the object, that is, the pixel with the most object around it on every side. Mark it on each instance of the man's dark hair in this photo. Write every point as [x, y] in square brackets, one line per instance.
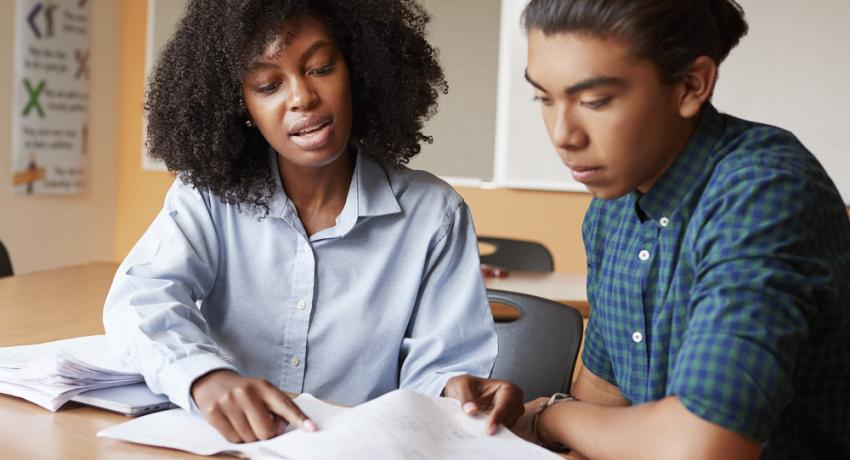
[670, 33]
[196, 119]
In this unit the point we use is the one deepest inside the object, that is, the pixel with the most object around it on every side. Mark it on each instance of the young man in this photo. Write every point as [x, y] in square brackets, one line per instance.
[718, 249]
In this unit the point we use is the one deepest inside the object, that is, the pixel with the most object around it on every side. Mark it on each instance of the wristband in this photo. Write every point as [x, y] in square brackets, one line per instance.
[554, 399]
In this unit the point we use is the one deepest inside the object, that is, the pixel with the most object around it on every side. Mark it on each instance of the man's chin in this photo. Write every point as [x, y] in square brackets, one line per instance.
[607, 193]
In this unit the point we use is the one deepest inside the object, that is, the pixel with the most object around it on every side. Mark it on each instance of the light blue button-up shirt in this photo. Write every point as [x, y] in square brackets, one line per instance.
[389, 297]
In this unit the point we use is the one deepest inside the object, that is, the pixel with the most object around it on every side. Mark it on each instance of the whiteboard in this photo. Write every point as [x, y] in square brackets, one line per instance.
[524, 156]
[792, 70]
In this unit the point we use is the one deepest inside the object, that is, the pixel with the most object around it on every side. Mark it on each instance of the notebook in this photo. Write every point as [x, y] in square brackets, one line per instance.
[135, 399]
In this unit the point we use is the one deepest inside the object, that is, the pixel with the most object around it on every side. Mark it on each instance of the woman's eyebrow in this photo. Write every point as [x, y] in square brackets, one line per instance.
[262, 63]
[315, 47]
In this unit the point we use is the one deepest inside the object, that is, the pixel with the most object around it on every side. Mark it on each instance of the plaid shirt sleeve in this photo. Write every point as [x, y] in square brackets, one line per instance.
[761, 272]
[595, 354]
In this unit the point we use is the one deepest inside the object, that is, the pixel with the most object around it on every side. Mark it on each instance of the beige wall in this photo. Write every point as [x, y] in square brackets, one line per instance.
[47, 232]
[139, 193]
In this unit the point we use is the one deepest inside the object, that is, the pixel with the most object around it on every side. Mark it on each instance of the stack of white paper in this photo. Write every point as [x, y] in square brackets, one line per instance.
[50, 374]
[401, 424]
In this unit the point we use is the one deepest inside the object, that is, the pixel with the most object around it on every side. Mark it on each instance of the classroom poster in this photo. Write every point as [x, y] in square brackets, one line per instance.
[50, 96]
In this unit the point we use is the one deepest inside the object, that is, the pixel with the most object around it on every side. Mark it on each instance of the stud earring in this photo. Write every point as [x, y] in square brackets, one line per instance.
[249, 124]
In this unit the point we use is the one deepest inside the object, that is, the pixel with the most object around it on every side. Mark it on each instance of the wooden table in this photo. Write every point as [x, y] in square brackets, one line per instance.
[47, 306]
[68, 302]
[567, 288]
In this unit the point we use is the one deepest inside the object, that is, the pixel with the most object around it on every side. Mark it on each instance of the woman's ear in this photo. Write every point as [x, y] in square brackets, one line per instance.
[697, 86]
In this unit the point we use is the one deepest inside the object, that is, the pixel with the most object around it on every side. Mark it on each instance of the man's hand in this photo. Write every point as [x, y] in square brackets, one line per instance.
[245, 409]
[524, 426]
[503, 399]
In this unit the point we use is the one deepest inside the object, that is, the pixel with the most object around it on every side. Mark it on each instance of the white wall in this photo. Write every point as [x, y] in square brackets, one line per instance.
[793, 70]
[48, 232]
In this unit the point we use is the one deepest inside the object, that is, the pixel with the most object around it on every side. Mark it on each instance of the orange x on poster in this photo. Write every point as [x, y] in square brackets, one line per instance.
[28, 176]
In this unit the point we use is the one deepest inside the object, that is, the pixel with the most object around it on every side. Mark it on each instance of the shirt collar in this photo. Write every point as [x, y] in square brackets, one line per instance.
[688, 170]
[369, 194]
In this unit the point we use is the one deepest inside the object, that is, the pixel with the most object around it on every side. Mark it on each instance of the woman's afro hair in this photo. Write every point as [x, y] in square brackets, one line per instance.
[196, 118]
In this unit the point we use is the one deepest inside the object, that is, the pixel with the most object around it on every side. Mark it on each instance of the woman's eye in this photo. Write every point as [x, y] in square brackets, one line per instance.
[323, 70]
[596, 103]
[267, 88]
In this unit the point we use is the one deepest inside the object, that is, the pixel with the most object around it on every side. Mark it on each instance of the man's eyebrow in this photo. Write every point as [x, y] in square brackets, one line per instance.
[583, 85]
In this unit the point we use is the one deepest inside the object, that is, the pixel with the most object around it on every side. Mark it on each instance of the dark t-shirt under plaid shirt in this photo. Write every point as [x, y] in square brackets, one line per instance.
[728, 286]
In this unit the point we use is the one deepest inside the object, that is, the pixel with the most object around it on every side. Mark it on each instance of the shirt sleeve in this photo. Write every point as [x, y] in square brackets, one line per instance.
[451, 331]
[594, 356]
[760, 278]
[151, 315]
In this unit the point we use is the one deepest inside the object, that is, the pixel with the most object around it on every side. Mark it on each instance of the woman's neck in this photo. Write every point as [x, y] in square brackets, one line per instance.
[318, 193]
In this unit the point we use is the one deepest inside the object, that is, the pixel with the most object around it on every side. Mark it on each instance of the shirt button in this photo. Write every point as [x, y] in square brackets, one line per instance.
[644, 255]
[301, 305]
[637, 337]
[664, 221]
[294, 361]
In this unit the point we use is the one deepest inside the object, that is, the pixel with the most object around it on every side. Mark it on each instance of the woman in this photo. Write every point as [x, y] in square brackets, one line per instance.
[718, 249]
[295, 251]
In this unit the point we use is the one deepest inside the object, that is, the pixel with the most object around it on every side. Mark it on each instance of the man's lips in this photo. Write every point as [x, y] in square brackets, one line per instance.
[584, 173]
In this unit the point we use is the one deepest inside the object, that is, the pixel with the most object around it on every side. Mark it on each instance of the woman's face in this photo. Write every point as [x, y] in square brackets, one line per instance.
[298, 95]
[611, 119]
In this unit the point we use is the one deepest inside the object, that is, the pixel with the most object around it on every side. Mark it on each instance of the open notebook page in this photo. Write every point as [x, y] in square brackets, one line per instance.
[179, 429]
[401, 424]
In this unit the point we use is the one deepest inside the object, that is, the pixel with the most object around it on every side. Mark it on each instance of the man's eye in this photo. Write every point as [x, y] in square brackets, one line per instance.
[597, 103]
[542, 99]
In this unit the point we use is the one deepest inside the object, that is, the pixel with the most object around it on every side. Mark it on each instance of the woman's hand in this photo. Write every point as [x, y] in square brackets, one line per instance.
[246, 409]
[503, 399]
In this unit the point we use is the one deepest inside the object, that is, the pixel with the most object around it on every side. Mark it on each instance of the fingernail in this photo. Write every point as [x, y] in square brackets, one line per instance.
[491, 429]
[310, 426]
[469, 407]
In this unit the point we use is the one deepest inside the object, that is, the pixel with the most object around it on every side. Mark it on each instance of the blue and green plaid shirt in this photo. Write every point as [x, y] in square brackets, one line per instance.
[728, 286]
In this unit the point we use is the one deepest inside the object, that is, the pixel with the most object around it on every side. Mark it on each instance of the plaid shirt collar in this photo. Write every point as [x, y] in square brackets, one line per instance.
[689, 169]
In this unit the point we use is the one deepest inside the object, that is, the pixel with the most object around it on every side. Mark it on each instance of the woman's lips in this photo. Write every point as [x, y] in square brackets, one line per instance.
[313, 137]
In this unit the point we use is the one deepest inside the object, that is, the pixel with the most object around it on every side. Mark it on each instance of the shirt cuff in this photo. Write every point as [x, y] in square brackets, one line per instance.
[176, 379]
[439, 383]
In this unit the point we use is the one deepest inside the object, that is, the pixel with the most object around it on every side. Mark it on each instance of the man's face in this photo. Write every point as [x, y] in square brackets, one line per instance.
[611, 119]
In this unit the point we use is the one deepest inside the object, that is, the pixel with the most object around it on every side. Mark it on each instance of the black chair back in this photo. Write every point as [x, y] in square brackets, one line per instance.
[5, 262]
[537, 351]
[518, 255]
